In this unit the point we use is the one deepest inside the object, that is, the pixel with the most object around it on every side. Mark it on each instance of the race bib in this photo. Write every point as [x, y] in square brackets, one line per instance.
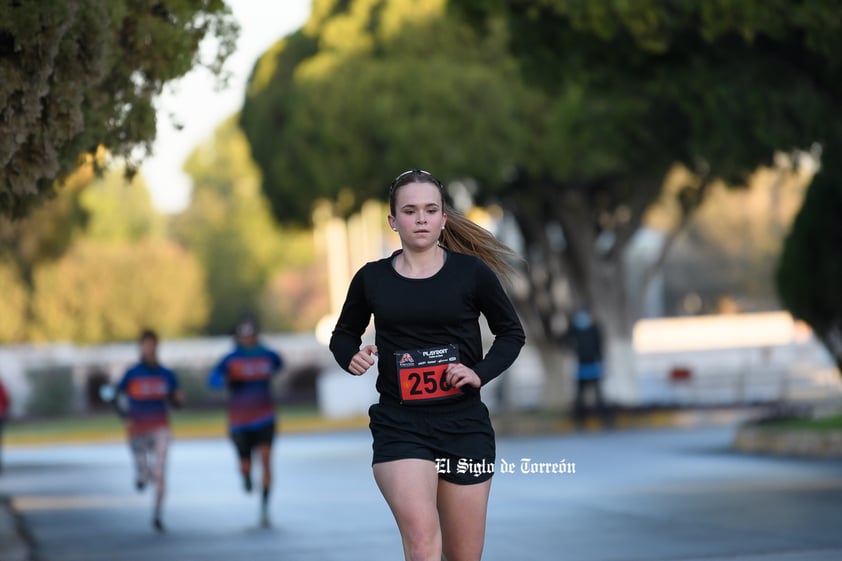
[248, 369]
[421, 374]
[147, 388]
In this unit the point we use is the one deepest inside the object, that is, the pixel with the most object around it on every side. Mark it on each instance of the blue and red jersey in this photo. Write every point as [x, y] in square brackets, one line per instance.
[247, 372]
[147, 388]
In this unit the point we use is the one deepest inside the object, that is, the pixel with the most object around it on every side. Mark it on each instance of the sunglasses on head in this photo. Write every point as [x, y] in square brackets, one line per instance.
[426, 174]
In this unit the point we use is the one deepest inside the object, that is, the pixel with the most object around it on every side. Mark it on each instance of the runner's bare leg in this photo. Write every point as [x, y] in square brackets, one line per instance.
[409, 487]
[160, 444]
[462, 511]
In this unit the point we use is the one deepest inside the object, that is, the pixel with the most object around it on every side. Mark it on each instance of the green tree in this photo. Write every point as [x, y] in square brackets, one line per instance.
[13, 304]
[810, 271]
[48, 230]
[362, 92]
[120, 212]
[78, 74]
[635, 87]
[568, 114]
[229, 227]
[108, 291]
[91, 217]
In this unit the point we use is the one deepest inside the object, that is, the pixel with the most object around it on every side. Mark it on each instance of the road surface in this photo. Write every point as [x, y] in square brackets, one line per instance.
[636, 495]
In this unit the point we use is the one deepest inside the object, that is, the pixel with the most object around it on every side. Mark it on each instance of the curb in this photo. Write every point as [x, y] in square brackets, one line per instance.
[789, 442]
[521, 425]
[505, 423]
[13, 543]
[296, 425]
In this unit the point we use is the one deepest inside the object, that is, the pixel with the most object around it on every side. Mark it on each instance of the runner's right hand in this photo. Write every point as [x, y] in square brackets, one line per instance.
[363, 360]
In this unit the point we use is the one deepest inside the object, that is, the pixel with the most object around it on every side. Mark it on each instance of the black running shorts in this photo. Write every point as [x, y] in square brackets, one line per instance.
[247, 440]
[457, 437]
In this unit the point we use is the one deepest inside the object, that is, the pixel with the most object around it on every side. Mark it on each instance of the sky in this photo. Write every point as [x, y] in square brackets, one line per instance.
[195, 103]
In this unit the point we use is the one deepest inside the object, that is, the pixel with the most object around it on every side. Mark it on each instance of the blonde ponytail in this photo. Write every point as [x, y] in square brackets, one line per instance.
[464, 236]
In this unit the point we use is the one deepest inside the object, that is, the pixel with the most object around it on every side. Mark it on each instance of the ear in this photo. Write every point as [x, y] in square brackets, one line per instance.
[392, 223]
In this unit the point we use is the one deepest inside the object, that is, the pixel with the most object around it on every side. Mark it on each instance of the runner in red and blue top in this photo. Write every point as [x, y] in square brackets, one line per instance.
[247, 373]
[147, 387]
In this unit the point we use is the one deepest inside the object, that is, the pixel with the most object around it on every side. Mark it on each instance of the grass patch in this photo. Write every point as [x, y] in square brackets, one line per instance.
[65, 429]
[833, 422]
[208, 423]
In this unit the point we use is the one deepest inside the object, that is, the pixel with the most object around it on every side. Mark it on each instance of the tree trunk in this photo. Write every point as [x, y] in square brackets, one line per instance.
[566, 270]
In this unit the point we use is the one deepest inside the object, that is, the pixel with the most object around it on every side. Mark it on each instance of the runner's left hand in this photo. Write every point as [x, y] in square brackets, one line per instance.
[459, 375]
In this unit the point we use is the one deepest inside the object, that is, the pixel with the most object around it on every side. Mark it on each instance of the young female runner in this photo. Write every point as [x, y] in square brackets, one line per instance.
[434, 448]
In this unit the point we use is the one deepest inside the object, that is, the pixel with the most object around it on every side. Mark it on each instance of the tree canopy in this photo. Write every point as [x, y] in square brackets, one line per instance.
[362, 93]
[229, 228]
[13, 305]
[715, 80]
[79, 74]
[96, 266]
[569, 114]
[106, 292]
[99, 262]
[809, 275]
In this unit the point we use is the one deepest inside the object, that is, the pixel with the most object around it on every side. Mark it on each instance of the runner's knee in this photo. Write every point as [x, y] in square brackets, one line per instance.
[422, 544]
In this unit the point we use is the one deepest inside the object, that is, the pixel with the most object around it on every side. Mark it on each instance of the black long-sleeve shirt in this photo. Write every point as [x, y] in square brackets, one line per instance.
[422, 313]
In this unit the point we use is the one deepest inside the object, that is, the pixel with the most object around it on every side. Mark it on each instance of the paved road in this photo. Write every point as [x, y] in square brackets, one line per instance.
[645, 495]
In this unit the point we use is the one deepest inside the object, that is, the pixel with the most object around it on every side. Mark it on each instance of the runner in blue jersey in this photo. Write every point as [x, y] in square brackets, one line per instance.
[247, 374]
[147, 387]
